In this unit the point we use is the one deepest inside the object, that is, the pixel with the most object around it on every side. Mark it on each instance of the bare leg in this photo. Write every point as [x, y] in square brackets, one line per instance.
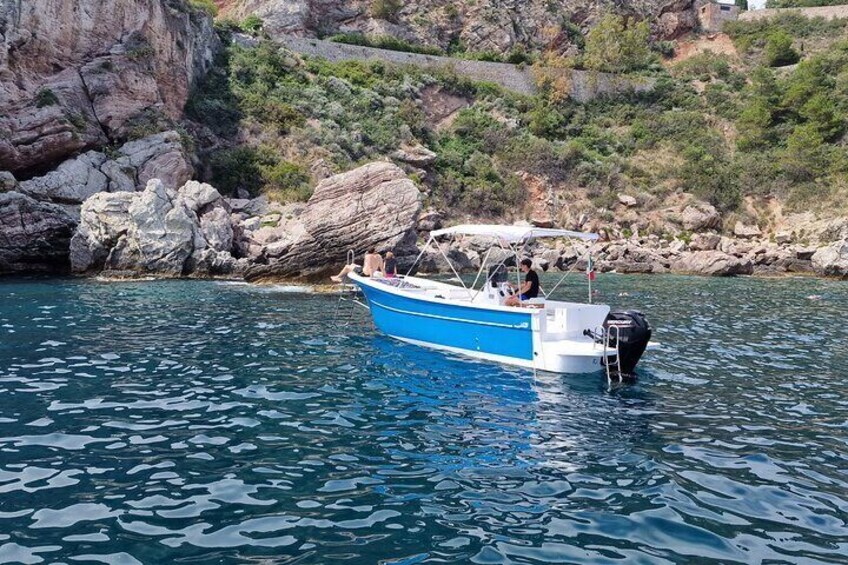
[342, 274]
[512, 301]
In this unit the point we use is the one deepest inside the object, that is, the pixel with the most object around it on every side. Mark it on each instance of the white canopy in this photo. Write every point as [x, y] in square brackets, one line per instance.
[511, 234]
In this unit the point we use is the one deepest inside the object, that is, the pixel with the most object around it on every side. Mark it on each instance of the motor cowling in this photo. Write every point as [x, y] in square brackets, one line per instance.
[631, 332]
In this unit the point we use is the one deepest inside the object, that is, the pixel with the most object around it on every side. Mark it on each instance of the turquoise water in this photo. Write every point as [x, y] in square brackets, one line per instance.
[206, 422]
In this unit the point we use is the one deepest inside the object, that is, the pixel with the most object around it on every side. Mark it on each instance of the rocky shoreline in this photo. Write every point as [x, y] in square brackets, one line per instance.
[135, 213]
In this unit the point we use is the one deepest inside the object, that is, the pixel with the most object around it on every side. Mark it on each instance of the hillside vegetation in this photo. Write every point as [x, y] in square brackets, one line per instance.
[768, 123]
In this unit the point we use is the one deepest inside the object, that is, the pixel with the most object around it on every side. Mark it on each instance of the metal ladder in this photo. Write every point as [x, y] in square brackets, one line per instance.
[607, 337]
[347, 293]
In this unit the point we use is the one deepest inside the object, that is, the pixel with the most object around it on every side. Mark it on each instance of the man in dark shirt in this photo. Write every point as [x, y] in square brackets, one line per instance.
[529, 288]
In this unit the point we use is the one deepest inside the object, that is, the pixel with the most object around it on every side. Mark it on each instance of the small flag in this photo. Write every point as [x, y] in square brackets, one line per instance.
[590, 270]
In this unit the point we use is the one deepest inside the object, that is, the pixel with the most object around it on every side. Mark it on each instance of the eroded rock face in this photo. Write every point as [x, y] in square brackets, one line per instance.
[158, 231]
[496, 25]
[832, 261]
[74, 181]
[375, 205]
[34, 236]
[117, 60]
[712, 263]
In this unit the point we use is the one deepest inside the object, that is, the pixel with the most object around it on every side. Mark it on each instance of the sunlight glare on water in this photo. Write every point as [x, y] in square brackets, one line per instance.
[163, 421]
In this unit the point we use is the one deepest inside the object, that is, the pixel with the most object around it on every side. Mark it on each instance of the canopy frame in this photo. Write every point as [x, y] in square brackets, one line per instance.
[511, 235]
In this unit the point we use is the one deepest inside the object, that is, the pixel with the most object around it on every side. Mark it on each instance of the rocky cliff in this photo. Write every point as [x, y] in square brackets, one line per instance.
[78, 75]
[486, 25]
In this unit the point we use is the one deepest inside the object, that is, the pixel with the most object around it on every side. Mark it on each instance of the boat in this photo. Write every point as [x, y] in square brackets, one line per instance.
[540, 333]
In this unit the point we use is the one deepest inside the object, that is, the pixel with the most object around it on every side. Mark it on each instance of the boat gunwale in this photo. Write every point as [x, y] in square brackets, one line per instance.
[372, 283]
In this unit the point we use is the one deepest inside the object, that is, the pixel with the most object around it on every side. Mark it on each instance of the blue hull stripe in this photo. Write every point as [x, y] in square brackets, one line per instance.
[521, 326]
[495, 332]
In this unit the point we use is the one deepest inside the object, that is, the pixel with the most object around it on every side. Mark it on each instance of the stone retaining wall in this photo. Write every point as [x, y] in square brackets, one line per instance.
[585, 85]
[826, 12]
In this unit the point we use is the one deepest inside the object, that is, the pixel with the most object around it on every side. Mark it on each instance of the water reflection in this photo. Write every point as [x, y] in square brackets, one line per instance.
[195, 421]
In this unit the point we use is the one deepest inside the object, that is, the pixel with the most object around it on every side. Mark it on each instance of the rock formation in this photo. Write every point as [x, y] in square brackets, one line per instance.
[77, 75]
[713, 263]
[487, 25]
[158, 231]
[158, 156]
[34, 236]
[832, 261]
[375, 205]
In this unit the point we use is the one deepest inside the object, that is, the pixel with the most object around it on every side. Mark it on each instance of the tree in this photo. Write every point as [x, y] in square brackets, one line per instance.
[615, 47]
[779, 51]
[806, 156]
[742, 5]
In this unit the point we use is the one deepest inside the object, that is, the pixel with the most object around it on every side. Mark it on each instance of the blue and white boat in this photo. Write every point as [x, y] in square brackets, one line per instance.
[540, 334]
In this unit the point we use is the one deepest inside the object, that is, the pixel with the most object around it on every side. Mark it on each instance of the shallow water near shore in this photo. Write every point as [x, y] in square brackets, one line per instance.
[199, 421]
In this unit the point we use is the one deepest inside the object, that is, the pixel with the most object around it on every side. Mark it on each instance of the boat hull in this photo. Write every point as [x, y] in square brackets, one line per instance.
[503, 335]
[507, 336]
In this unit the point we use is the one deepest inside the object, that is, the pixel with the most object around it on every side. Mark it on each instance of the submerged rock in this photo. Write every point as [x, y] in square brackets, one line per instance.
[34, 236]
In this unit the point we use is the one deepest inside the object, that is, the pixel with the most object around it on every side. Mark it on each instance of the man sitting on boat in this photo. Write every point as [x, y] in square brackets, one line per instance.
[528, 289]
[372, 265]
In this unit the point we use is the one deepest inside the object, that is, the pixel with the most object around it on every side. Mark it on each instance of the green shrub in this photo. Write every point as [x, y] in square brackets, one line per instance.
[252, 24]
[779, 51]
[207, 6]
[386, 9]
[616, 47]
[258, 170]
[46, 97]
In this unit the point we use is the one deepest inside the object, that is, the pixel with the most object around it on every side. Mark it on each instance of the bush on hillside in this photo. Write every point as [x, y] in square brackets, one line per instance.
[616, 46]
[386, 9]
[779, 51]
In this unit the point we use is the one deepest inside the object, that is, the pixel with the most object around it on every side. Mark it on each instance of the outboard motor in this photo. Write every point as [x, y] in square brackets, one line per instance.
[633, 335]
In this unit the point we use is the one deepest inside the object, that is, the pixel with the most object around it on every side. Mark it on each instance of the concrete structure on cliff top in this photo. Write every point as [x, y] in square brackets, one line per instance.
[713, 14]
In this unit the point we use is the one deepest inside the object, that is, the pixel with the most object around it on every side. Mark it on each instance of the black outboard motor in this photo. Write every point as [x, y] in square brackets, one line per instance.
[633, 335]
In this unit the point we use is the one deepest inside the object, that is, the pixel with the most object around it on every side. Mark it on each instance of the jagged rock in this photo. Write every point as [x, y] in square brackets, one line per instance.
[627, 200]
[783, 237]
[375, 205]
[416, 155]
[34, 236]
[832, 261]
[705, 242]
[74, 181]
[159, 230]
[160, 156]
[74, 71]
[700, 217]
[429, 221]
[434, 262]
[746, 231]
[8, 182]
[712, 263]
[104, 218]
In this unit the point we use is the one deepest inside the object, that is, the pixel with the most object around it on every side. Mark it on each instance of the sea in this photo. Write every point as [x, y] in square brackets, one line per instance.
[221, 422]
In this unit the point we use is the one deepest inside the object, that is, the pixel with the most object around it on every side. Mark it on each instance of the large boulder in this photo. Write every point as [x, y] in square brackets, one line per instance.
[700, 216]
[158, 231]
[712, 263]
[832, 261]
[34, 236]
[375, 205]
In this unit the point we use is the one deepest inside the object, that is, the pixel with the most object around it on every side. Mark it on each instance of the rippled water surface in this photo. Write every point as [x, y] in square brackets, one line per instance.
[199, 421]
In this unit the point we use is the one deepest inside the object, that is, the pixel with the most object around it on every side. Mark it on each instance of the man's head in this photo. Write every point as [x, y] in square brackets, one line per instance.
[372, 250]
[526, 265]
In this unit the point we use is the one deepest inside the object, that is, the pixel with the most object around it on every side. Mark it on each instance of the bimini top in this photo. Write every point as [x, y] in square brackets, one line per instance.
[511, 234]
